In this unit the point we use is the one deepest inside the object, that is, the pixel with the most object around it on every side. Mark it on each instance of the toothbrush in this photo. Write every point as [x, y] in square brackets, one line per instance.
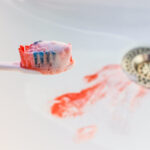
[46, 57]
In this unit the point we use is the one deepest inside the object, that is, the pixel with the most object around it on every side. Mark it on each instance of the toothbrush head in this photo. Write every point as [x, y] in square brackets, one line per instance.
[47, 57]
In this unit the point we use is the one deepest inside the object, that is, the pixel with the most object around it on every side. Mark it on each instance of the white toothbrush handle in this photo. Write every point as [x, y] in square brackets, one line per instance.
[15, 66]
[9, 66]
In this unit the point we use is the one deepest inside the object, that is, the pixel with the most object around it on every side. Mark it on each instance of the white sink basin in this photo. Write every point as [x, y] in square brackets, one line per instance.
[100, 32]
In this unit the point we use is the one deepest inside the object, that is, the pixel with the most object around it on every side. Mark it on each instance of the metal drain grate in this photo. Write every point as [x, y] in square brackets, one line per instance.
[136, 64]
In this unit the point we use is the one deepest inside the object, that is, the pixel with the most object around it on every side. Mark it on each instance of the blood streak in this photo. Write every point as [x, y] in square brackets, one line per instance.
[86, 133]
[90, 78]
[109, 83]
[141, 93]
[71, 104]
[124, 86]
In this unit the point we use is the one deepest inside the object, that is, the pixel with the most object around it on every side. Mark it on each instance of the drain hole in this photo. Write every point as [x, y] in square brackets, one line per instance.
[136, 63]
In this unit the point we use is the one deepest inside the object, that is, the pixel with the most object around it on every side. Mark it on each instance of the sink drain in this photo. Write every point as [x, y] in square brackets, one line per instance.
[136, 64]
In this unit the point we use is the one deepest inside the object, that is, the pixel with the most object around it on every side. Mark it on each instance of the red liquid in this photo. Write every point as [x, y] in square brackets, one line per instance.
[72, 103]
[109, 82]
[86, 133]
[90, 78]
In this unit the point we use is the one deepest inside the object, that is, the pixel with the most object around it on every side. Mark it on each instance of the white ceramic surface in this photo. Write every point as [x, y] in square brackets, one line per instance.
[100, 32]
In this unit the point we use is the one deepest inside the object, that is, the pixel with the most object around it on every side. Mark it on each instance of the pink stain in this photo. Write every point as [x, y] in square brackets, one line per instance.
[140, 93]
[86, 133]
[90, 78]
[110, 82]
[71, 104]
[124, 86]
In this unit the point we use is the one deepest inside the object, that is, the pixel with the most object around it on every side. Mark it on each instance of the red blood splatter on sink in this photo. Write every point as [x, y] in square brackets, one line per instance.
[141, 93]
[72, 103]
[108, 83]
[86, 133]
[90, 78]
[124, 86]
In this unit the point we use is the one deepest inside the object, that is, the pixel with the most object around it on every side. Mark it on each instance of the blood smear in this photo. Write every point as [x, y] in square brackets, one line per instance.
[90, 78]
[71, 104]
[86, 133]
[108, 83]
[141, 93]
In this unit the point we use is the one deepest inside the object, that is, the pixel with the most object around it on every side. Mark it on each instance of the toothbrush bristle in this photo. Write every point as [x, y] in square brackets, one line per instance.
[48, 57]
